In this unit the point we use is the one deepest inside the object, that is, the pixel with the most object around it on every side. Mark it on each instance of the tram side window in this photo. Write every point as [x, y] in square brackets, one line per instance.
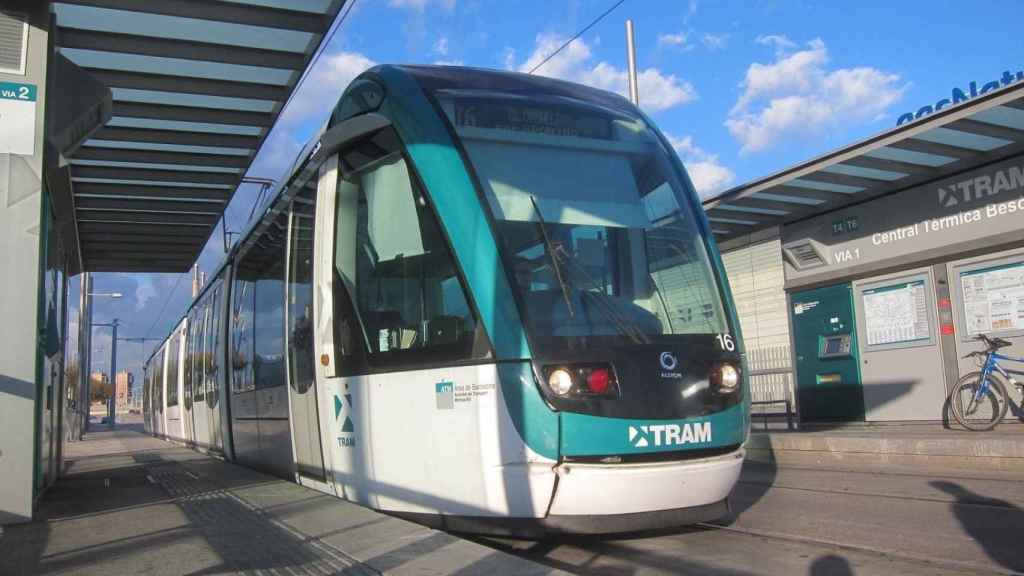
[199, 353]
[243, 290]
[172, 371]
[212, 341]
[268, 256]
[158, 382]
[189, 344]
[392, 258]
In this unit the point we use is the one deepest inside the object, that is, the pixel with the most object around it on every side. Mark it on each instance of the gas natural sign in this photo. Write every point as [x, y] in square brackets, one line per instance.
[932, 220]
[958, 95]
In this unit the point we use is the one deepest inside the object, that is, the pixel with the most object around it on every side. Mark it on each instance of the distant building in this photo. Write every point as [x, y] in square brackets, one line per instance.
[122, 387]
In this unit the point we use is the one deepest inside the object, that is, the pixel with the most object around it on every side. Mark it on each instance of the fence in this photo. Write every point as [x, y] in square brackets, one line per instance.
[771, 382]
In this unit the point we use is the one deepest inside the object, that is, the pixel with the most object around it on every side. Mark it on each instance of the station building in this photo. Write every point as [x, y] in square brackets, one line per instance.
[862, 276]
[125, 128]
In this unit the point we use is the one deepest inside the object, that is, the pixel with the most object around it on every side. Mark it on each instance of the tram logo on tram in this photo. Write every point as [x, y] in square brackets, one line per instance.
[670, 434]
[347, 427]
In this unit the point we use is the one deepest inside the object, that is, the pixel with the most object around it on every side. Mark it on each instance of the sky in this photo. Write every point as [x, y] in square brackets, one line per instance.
[741, 89]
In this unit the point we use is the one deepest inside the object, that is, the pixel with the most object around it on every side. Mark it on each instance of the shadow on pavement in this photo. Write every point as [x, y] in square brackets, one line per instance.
[996, 525]
[831, 565]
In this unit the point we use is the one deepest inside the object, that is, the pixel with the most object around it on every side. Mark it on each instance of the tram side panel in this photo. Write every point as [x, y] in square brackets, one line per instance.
[419, 441]
[160, 392]
[197, 366]
[260, 427]
[188, 424]
[242, 394]
[216, 397]
[173, 386]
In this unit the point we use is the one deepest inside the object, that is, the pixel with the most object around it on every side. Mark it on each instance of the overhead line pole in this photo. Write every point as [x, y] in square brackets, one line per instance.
[634, 90]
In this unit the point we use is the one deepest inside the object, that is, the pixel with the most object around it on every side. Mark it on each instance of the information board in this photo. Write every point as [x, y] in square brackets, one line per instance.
[994, 298]
[896, 314]
[17, 118]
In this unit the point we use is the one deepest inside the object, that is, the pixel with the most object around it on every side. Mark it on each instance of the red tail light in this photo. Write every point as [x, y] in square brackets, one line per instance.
[576, 380]
[599, 380]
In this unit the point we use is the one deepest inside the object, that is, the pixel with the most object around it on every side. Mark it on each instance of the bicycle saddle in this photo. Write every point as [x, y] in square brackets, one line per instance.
[998, 343]
[993, 343]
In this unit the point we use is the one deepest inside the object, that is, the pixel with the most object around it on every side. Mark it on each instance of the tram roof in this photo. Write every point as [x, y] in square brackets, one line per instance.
[980, 131]
[509, 82]
[196, 86]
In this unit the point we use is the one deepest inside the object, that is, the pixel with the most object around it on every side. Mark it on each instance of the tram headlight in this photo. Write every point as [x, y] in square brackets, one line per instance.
[560, 381]
[725, 377]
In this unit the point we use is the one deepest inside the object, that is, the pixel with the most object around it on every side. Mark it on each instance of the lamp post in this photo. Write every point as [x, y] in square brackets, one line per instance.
[111, 404]
[141, 340]
[85, 328]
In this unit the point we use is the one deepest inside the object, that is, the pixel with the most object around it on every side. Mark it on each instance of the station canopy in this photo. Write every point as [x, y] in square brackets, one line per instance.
[196, 85]
[986, 129]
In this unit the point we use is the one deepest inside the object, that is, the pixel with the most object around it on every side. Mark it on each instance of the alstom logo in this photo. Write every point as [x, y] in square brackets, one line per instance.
[669, 434]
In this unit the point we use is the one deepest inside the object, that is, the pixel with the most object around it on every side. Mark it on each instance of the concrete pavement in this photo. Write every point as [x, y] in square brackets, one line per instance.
[826, 520]
[131, 504]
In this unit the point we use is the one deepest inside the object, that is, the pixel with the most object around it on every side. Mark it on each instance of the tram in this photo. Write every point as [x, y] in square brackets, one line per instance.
[485, 301]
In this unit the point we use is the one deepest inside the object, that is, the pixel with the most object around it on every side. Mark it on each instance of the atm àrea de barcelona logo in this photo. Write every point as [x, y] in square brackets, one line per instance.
[343, 408]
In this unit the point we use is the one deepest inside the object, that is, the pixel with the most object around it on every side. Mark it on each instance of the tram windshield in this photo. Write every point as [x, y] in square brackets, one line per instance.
[593, 219]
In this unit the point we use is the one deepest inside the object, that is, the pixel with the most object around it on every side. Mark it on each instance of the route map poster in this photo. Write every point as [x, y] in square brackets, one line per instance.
[994, 298]
[896, 313]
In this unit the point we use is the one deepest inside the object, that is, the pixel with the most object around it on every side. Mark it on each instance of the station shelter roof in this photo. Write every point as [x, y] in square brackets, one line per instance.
[955, 139]
[196, 87]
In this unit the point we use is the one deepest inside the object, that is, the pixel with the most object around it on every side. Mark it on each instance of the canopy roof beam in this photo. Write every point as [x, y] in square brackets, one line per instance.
[102, 153]
[127, 109]
[251, 14]
[189, 85]
[180, 137]
[183, 49]
[192, 177]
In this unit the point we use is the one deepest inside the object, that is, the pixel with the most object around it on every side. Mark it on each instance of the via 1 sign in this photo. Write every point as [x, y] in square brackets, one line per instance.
[17, 118]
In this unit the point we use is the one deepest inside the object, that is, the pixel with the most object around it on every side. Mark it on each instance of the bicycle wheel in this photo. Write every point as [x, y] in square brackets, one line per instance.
[983, 413]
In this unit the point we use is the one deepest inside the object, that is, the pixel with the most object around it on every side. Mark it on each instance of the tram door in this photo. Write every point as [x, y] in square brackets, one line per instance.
[309, 459]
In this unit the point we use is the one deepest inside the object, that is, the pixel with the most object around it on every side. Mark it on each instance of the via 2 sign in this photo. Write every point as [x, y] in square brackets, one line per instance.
[17, 118]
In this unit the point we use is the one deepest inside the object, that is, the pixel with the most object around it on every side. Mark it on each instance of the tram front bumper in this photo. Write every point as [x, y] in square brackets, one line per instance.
[626, 489]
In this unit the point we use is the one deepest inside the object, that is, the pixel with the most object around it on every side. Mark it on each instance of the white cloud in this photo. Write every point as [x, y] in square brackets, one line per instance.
[449, 63]
[441, 46]
[309, 108]
[144, 292]
[421, 4]
[715, 41]
[708, 175]
[325, 83]
[778, 41]
[658, 91]
[677, 40]
[509, 58]
[797, 95]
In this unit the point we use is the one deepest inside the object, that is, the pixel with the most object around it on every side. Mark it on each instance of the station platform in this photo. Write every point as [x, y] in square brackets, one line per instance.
[892, 445]
[132, 504]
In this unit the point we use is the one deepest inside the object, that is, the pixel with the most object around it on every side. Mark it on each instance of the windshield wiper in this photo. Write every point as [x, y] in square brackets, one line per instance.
[605, 305]
[554, 258]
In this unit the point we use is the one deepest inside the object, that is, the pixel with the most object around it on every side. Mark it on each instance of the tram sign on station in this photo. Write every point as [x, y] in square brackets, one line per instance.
[17, 118]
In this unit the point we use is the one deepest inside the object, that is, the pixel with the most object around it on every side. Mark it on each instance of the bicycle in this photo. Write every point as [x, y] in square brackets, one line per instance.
[979, 400]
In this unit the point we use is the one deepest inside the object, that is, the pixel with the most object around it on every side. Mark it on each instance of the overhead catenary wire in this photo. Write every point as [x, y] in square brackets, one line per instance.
[164, 307]
[298, 84]
[577, 35]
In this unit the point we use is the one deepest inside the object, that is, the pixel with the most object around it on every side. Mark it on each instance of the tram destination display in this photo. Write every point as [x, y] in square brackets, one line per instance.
[533, 117]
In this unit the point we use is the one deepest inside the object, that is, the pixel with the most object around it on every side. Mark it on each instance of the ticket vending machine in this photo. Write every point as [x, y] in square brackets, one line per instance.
[828, 380]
